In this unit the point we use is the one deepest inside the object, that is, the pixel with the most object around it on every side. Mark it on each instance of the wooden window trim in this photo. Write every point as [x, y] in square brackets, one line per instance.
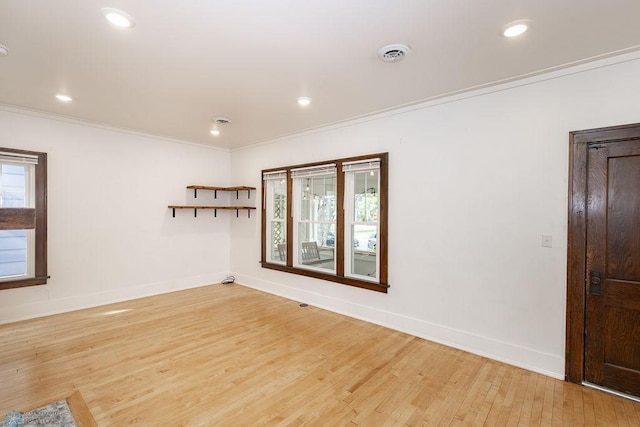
[382, 249]
[22, 219]
[17, 218]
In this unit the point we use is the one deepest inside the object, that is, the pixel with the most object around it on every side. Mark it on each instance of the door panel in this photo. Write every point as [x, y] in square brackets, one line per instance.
[612, 342]
[623, 233]
[623, 324]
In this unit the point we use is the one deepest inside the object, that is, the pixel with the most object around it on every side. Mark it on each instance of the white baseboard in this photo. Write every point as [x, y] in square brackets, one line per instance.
[526, 358]
[51, 306]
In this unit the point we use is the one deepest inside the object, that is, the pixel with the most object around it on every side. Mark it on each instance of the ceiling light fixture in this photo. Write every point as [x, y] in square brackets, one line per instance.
[64, 98]
[515, 28]
[303, 101]
[118, 18]
[219, 121]
[4, 51]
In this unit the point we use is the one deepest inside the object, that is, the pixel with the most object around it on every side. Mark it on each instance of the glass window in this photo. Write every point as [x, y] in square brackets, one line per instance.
[23, 209]
[315, 218]
[276, 199]
[337, 227]
[16, 246]
[362, 205]
[13, 185]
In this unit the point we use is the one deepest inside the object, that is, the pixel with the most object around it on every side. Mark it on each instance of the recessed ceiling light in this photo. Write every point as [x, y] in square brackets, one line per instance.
[219, 121]
[118, 17]
[515, 28]
[303, 101]
[64, 98]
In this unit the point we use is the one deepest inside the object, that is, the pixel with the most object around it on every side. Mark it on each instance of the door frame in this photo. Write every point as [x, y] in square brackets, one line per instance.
[577, 237]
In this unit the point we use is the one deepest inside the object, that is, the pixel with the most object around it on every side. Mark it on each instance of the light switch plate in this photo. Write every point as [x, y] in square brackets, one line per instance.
[546, 240]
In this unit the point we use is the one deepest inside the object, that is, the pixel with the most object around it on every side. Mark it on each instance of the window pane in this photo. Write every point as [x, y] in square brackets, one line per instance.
[318, 198]
[317, 222]
[363, 210]
[13, 243]
[278, 244]
[364, 250]
[277, 194]
[13, 253]
[316, 245]
[12, 186]
[366, 196]
[279, 199]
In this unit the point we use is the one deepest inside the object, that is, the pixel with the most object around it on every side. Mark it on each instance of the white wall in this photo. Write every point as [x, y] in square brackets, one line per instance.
[111, 236]
[475, 181]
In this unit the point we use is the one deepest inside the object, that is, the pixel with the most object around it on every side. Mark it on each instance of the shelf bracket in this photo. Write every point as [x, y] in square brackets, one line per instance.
[237, 194]
[215, 213]
[195, 212]
[174, 212]
[248, 213]
[195, 193]
[237, 213]
[215, 194]
[248, 194]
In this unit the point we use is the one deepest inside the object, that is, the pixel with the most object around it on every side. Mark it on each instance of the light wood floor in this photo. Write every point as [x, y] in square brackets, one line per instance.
[228, 355]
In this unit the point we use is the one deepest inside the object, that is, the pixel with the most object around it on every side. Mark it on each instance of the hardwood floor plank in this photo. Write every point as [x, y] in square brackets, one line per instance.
[632, 412]
[491, 397]
[609, 414]
[230, 355]
[587, 405]
[621, 415]
[467, 410]
[80, 411]
[538, 401]
[516, 413]
[498, 405]
[546, 416]
[557, 417]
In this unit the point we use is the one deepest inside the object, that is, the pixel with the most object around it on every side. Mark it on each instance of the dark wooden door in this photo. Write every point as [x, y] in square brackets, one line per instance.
[612, 322]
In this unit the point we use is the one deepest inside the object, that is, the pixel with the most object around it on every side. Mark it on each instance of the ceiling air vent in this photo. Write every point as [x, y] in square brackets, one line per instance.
[393, 52]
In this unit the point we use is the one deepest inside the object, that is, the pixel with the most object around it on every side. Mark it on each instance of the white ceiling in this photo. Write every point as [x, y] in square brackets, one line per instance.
[186, 62]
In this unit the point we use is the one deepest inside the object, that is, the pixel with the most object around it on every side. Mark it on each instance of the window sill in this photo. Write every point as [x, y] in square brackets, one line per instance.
[22, 283]
[329, 277]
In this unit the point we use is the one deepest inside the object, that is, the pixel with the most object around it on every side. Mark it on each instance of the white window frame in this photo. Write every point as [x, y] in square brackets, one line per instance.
[270, 179]
[29, 163]
[349, 170]
[298, 177]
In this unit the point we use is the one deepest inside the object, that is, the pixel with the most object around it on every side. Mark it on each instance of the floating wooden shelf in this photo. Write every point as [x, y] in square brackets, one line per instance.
[215, 190]
[215, 209]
